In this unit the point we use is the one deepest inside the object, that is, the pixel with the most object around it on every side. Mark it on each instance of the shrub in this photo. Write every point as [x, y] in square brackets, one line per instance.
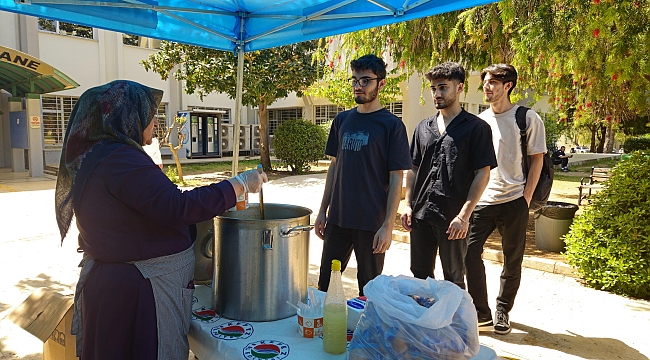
[609, 244]
[637, 143]
[299, 142]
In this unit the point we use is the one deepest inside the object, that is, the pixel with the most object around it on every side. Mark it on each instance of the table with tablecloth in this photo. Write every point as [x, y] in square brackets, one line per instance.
[215, 338]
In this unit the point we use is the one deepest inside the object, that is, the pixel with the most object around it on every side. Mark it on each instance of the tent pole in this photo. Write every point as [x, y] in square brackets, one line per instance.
[238, 106]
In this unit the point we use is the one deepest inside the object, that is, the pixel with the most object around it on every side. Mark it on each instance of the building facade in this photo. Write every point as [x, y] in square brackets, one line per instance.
[93, 57]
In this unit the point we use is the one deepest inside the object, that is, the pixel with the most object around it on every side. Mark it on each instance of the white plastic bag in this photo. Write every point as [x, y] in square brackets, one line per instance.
[394, 326]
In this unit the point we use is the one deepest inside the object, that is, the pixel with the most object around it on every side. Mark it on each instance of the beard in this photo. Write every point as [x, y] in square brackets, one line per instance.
[361, 99]
[446, 102]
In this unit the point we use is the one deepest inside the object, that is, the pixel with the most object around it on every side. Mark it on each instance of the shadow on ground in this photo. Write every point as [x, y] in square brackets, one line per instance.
[573, 344]
[44, 280]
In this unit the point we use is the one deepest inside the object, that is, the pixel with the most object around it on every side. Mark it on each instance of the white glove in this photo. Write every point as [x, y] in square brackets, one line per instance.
[251, 180]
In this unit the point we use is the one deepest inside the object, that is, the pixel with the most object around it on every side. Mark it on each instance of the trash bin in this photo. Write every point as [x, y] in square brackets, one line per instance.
[551, 222]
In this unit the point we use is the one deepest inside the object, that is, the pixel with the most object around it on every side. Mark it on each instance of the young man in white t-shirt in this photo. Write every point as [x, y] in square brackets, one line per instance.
[505, 201]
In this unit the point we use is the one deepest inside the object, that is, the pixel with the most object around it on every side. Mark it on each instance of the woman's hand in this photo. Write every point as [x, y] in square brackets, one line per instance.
[251, 180]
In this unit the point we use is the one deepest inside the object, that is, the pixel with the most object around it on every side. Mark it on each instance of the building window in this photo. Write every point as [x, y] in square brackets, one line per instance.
[482, 107]
[56, 112]
[325, 113]
[140, 41]
[225, 118]
[278, 116]
[64, 28]
[162, 121]
[395, 108]
[464, 106]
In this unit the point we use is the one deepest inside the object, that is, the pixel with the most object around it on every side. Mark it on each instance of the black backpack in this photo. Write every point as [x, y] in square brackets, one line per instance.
[543, 189]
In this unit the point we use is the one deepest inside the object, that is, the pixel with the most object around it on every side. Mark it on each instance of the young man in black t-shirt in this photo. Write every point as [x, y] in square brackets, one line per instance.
[560, 157]
[368, 147]
[452, 154]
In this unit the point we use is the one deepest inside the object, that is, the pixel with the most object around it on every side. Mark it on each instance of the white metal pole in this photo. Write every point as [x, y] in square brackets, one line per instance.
[238, 106]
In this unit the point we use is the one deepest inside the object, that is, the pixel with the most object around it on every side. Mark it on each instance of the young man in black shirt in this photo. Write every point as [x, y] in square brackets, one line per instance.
[369, 150]
[452, 154]
[560, 157]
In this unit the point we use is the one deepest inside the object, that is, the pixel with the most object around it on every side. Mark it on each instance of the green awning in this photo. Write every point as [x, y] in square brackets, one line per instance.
[22, 74]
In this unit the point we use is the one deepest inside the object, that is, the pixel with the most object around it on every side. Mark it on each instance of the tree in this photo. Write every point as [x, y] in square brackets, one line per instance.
[334, 85]
[590, 57]
[180, 124]
[268, 75]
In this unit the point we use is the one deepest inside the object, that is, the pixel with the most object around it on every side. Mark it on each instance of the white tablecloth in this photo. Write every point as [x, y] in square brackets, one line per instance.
[215, 338]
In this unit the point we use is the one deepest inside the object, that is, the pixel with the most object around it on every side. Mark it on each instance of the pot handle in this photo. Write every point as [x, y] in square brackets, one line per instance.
[295, 230]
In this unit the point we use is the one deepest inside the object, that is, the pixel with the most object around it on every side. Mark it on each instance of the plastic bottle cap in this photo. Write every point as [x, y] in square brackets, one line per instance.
[336, 265]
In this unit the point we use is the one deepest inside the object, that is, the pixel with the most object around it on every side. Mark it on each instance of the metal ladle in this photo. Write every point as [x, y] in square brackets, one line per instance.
[260, 170]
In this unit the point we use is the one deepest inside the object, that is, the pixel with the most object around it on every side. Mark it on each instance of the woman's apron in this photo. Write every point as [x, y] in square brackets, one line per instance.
[170, 277]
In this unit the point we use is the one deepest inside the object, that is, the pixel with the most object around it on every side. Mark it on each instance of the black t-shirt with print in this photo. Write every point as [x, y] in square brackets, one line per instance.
[446, 164]
[367, 147]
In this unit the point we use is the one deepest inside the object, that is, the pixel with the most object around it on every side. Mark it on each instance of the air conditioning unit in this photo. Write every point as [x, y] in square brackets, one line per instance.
[226, 138]
[255, 139]
[244, 137]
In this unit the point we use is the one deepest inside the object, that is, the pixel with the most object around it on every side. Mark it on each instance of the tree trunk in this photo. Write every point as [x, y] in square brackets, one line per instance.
[179, 168]
[265, 156]
[609, 139]
[592, 146]
[601, 139]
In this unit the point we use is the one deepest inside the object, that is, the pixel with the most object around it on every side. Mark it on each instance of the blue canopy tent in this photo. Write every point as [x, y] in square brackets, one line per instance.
[235, 25]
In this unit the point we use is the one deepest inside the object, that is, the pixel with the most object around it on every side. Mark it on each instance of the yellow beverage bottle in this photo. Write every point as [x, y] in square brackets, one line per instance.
[335, 314]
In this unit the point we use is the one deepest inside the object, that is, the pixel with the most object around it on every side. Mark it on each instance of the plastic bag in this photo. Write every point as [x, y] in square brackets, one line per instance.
[394, 326]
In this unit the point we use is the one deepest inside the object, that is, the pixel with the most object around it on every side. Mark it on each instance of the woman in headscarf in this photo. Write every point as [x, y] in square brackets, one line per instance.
[134, 296]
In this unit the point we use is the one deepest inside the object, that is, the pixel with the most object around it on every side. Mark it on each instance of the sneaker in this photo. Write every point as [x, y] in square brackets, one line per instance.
[502, 325]
[485, 325]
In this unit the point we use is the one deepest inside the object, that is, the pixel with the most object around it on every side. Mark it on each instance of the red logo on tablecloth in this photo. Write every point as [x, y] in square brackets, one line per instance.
[266, 349]
[232, 330]
[205, 315]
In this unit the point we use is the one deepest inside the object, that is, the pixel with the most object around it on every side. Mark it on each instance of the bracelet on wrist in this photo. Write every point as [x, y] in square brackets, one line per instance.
[462, 220]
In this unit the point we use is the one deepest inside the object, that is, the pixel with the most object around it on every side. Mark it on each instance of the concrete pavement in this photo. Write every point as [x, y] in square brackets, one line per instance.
[555, 316]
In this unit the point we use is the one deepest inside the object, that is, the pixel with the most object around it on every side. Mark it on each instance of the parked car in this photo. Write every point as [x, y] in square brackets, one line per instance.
[582, 149]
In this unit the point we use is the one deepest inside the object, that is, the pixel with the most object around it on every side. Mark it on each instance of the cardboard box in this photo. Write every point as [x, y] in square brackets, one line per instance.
[47, 315]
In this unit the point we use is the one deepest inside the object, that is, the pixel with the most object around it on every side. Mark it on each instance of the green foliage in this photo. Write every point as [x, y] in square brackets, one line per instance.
[334, 85]
[637, 143]
[609, 244]
[172, 174]
[299, 142]
[591, 58]
[268, 75]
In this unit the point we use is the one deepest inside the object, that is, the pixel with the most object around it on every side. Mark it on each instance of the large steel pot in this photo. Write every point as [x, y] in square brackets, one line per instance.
[259, 265]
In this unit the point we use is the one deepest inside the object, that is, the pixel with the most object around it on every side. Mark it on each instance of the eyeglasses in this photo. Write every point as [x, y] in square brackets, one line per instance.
[363, 82]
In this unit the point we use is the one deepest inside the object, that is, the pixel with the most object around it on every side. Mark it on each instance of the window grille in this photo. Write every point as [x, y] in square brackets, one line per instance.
[162, 121]
[278, 116]
[464, 106]
[325, 113]
[56, 112]
[65, 28]
[482, 107]
[395, 108]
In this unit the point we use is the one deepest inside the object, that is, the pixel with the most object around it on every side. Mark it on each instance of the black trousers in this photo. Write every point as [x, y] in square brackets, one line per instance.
[510, 219]
[339, 243]
[565, 162]
[427, 237]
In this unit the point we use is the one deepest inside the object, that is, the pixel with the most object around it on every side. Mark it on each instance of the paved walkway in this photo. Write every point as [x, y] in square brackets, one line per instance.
[555, 317]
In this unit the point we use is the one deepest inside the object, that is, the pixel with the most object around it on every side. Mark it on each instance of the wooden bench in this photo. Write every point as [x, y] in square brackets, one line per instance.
[593, 182]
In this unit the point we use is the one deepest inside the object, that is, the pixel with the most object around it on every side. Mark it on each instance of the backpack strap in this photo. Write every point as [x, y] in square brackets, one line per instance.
[520, 116]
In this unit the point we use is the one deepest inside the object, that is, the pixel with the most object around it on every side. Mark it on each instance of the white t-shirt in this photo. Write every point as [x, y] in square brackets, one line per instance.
[507, 179]
[154, 151]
